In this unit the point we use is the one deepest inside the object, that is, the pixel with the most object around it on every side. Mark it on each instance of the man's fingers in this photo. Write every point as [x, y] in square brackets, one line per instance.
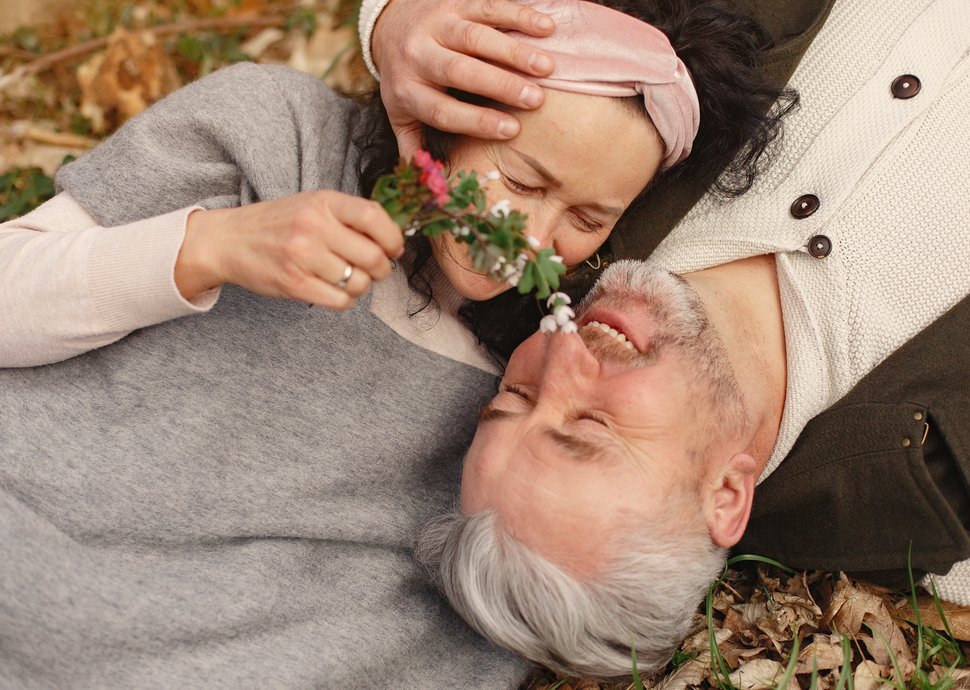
[408, 137]
[490, 44]
[505, 14]
[447, 114]
[467, 73]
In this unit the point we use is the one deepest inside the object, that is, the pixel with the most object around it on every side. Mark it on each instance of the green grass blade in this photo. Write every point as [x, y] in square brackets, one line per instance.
[792, 662]
[912, 598]
[754, 558]
[900, 682]
[637, 681]
[722, 674]
[960, 660]
[845, 673]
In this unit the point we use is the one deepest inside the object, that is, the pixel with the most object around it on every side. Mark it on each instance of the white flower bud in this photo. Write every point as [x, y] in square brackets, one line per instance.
[491, 175]
[570, 327]
[501, 208]
[548, 324]
[560, 297]
[533, 242]
[563, 315]
[556, 258]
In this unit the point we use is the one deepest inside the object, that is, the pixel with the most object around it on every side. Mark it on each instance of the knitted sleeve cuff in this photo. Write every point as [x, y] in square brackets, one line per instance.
[131, 273]
[370, 10]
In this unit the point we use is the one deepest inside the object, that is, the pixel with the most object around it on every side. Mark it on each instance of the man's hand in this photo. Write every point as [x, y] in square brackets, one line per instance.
[422, 47]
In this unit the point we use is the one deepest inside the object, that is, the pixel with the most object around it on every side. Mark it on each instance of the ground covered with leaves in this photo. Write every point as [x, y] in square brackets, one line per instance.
[765, 628]
[70, 79]
[73, 77]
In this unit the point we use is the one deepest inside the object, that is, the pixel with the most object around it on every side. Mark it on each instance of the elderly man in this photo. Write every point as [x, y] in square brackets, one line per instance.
[801, 337]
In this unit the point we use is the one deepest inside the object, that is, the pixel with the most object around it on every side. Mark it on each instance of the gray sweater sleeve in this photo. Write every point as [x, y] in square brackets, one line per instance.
[242, 134]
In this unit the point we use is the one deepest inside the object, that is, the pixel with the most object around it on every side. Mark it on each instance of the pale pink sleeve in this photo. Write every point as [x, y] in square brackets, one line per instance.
[68, 285]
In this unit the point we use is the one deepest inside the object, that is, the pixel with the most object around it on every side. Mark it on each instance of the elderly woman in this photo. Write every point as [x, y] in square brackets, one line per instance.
[208, 485]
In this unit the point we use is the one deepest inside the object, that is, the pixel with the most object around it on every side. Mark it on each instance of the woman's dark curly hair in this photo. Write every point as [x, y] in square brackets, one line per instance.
[741, 115]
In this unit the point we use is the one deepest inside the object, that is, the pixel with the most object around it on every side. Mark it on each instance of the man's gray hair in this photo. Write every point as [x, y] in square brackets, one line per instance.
[646, 595]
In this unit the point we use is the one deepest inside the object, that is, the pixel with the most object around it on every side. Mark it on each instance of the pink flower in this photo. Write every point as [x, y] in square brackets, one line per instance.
[432, 176]
[422, 158]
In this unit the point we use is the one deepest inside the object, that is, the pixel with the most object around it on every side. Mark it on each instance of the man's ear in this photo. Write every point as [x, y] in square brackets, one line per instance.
[728, 503]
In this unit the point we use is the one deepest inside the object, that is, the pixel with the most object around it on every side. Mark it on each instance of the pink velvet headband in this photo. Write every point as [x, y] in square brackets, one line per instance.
[603, 52]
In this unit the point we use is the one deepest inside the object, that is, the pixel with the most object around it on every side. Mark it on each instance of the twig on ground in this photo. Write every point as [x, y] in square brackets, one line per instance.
[51, 138]
[45, 62]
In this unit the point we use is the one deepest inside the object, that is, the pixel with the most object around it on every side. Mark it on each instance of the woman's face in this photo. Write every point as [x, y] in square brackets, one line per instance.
[575, 166]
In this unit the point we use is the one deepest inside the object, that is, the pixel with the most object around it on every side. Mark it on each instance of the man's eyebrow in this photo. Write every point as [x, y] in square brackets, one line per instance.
[580, 448]
[556, 182]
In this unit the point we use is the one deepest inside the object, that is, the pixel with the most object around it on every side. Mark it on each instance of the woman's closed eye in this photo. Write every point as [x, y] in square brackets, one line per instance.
[585, 223]
[518, 187]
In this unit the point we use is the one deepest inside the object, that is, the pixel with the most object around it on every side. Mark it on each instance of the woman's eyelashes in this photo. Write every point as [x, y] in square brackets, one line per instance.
[579, 220]
[518, 187]
[587, 224]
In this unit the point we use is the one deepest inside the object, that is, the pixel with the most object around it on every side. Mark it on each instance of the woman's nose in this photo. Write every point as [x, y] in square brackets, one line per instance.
[541, 228]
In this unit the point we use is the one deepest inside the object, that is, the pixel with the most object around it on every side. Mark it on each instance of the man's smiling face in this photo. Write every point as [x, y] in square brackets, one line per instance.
[595, 431]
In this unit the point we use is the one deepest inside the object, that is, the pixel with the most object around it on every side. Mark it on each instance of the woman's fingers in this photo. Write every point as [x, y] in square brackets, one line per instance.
[367, 235]
[337, 271]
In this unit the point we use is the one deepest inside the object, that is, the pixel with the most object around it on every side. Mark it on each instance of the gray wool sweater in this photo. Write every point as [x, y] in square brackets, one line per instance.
[229, 500]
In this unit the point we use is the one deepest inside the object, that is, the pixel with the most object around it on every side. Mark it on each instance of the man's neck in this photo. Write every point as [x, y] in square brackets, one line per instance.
[744, 304]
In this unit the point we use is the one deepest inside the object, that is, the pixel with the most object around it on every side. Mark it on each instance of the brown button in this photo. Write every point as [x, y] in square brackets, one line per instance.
[906, 86]
[805, 205]
[907, 443]
[918, 416]
[820, 246]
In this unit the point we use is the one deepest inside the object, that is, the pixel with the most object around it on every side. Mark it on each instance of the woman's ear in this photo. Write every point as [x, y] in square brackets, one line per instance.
[728, 503]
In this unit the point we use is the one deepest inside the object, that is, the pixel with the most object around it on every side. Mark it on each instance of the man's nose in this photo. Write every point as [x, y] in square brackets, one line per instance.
[568, 363]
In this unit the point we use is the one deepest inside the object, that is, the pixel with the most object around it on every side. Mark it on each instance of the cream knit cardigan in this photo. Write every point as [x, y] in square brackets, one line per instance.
[893, 178]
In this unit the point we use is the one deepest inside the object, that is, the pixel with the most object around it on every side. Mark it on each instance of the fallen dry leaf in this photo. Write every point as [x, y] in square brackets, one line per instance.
[960, 676]
[128, 76]
[760, 674]
[957, 616]
[693, 672]
[823, 653]
[869, 675]
[849, 606]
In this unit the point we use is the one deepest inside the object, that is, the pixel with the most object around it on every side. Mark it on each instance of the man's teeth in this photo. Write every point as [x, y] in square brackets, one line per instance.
[619, 337]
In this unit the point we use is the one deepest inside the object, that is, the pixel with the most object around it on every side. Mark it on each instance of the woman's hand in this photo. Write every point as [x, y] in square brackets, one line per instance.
[422, 47]
[298, 247]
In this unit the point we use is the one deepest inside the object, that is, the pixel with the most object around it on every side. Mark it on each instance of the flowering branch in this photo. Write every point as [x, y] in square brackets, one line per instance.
[420, 198]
